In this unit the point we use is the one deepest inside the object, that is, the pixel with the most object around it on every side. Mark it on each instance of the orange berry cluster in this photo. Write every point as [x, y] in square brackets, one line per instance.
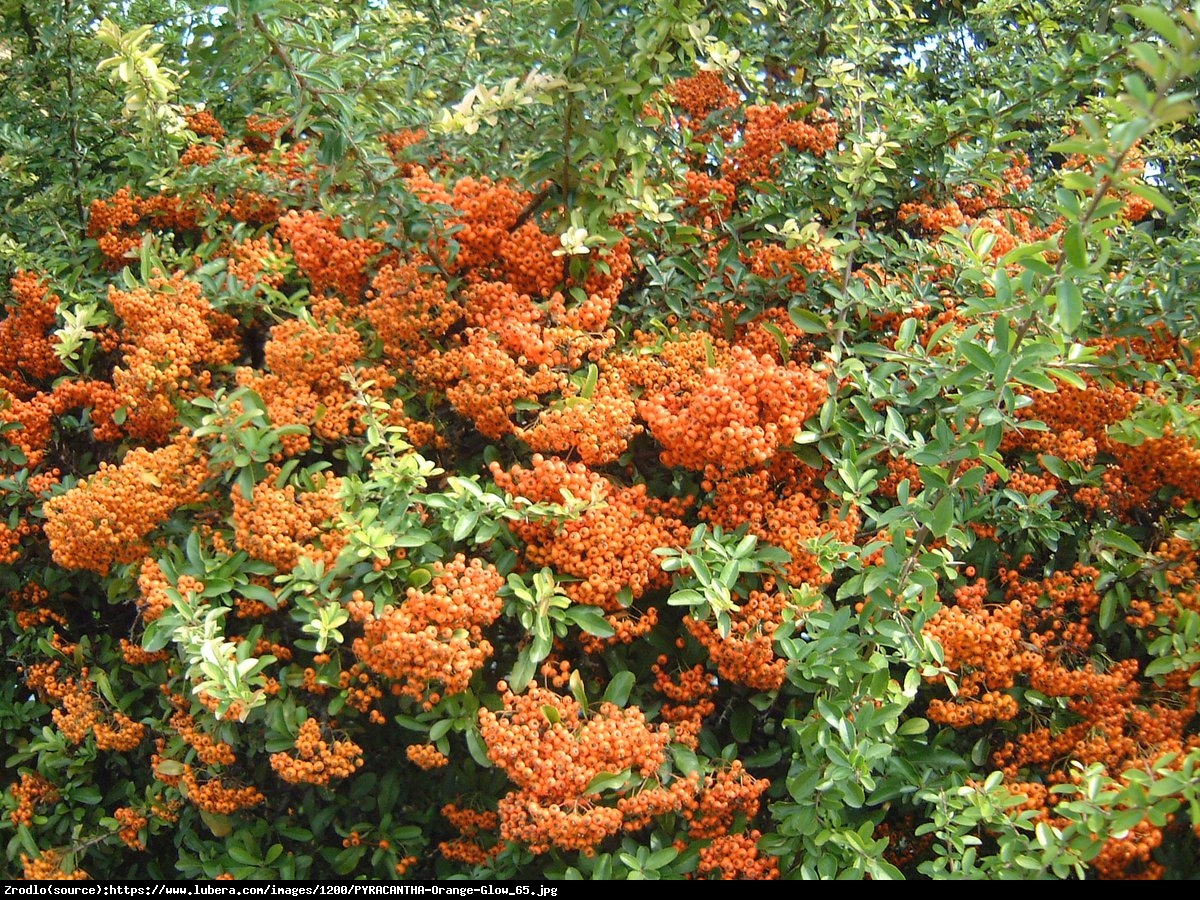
[472, 826]
[112, 224]
[29, 602]
[132, 822]
[360, 691]
[411, 312]
[152, 599]
[427, 756]
[77, 712]
[791, 265]
[488, 213]
[493, 382]
[26, 349]
[398, 142]
[36, 415]
[709, 198]
[1182, 574]
[726, 794]
[985, 649]
[208, 751]
[597, 429]
[552, 750]
[1042, 633]
[134, 655]
[304, 380]
[740, 417]
[506, 349]
[736, 857]
[120, 223]
[171, 339]
[259, 261]
[214, 796]
[700, 95]
[784, 505]
[609, 545]
[432, 644]
[317, 761]
[48, 866]
[331, 262]
[989, 207]
[30, 790]
[767, 130]
[281, 525]
[747, 654]
[10, 542]
[105, 519]
[118, 732]
[690, 694]
[204, 124]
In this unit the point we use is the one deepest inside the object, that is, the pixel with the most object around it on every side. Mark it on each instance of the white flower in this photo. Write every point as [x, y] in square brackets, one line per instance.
[574, 241]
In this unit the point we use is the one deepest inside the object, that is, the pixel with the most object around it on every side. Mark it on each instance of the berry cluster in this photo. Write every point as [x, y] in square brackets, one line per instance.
[317, 761]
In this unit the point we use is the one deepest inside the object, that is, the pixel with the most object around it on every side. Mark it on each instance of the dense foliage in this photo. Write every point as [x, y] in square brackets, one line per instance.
[583, 440]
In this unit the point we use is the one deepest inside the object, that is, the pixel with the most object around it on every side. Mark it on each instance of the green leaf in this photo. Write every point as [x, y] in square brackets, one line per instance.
[477, 748]
[807, 320]
[741, 723]
[607, 781]
[1162, 666]
[591, 619]
[913, 726]
[1075, 246]
[619, 688]
[589, 383]
[219, 824]
[687, 597]
[1158, 20]
[1126, 819]
[942, 519]
[977, 355]
[1069, 309]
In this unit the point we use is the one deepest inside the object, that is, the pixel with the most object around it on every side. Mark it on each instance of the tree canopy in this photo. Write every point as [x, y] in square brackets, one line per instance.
[574, 439]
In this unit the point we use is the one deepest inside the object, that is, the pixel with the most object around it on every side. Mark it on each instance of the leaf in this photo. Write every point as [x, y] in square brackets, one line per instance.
[1126, 819]
[1075, 246]
[477, 748]
[591, 619]
[1159, 21]
[807, 320]
[219, 824]
[619, 688]
[686, 597]
[943, 516]
[171, 768]
[575, 683]
[240, 855]
[741, 724]
[589, 383]
[977, 355]
[913, 726]
[1069, 310]
[1162, 666]
[522, 672]
[465, 526]
[607, 781]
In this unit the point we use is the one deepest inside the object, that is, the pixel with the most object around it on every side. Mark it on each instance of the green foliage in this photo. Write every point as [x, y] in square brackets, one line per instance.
[944, 626]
